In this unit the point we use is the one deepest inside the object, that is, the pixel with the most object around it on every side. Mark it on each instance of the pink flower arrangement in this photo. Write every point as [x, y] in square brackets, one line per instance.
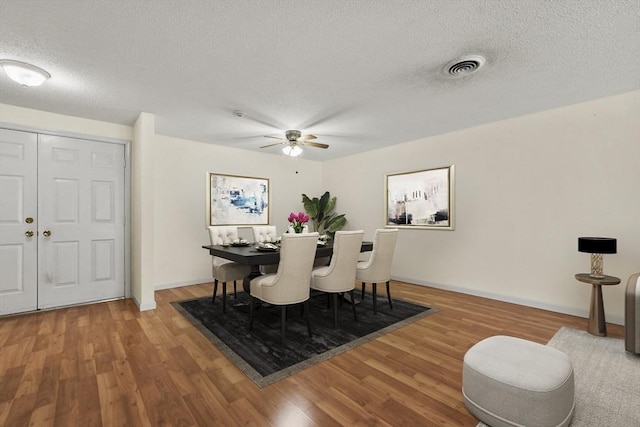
[298, 221]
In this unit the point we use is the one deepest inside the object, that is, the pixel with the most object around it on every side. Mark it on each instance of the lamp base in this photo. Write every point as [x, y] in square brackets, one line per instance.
[596, 266]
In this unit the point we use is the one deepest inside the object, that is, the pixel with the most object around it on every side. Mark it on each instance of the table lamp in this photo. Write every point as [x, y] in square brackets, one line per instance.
[597, 246]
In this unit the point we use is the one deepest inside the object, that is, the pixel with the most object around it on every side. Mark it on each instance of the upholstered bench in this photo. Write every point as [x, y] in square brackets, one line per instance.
[509, 381]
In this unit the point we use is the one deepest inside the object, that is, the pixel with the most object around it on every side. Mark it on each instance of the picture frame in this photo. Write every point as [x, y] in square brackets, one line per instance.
[421, 199]
[237, 200]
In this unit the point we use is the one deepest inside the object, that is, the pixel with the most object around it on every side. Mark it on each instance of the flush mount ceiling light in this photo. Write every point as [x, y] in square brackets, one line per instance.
[23, 73]
[292, 150]
[464, 66]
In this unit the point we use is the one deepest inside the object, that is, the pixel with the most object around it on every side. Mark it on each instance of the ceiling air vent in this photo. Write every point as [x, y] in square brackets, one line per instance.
[464, 66]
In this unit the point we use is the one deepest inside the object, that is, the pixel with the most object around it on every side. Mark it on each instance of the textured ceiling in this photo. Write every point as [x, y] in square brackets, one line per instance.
[358, 74]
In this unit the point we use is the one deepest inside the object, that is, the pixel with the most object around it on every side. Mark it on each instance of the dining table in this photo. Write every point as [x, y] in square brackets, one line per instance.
[254, 257]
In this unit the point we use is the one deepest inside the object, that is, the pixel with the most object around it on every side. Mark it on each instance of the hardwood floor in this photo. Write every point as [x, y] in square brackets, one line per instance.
[110, 365]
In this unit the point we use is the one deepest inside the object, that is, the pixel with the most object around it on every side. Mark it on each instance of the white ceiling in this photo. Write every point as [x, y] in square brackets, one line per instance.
[358, 74]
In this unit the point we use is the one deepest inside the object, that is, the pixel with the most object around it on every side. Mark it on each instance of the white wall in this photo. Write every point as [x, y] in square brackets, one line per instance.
[26, 118]
[142, 212]
[179, 201]
[526, 189]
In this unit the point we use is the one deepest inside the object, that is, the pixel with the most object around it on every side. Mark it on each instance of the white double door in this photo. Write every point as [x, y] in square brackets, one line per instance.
[62, 229]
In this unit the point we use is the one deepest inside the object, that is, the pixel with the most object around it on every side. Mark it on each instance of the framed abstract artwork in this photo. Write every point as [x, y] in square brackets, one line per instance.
[237, 200]
[420, 199]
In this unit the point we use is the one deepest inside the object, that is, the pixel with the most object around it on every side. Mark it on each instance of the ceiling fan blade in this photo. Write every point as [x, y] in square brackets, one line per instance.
[316, 144]
[275, 137]
[307, 137]
[272, 145]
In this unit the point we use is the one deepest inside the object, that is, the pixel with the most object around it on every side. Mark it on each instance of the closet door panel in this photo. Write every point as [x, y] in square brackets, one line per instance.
[18, 221]
[81, 202]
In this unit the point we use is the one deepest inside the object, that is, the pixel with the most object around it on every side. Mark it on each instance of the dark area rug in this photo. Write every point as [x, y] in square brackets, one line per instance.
[260, 354]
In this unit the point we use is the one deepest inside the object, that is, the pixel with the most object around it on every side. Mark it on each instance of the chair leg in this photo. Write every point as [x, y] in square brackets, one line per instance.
[224, 297]
[353, 306]
[362, 296]
[374, 287]
[215, 291]
[389, 296]
[235, 291]
[251, 308]
[283, 321]
[305, 308]
[335, 310]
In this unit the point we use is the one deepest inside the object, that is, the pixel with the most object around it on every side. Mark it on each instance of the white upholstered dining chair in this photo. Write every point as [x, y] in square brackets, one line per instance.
[224, 270]
[290, 284]
[377, 269]
[265, 233]
[339, 276]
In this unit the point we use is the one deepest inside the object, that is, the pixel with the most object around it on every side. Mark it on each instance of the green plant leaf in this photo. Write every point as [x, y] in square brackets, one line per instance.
[334, 219]
[320, 210]
[331, 205]
[322, 206]
[328, 219]
[338, 223]
[310, 206]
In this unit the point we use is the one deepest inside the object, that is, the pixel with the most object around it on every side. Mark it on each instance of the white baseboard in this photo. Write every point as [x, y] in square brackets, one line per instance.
[181, 284]
[144, 307]
[618, 320]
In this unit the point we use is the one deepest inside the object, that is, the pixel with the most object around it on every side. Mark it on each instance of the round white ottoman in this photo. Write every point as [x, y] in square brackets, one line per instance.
[509, 381]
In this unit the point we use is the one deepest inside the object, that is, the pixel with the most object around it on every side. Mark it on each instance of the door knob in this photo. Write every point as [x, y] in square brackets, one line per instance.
[28, 220]
[46, 233]
[29, 233]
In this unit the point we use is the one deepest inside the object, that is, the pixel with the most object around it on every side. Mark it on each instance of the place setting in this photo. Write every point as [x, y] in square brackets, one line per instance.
[238, 243]
[267, 247]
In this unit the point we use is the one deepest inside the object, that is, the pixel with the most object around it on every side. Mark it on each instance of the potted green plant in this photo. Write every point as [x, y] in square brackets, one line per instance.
[321, 212]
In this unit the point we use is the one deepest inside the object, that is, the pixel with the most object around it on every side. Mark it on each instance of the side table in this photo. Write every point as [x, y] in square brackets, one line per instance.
[597, 323]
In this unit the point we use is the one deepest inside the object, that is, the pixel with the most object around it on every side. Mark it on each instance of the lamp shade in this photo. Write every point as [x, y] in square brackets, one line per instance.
[597, 245]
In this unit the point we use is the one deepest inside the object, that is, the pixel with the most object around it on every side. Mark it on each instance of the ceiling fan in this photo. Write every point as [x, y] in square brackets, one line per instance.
[293, 140]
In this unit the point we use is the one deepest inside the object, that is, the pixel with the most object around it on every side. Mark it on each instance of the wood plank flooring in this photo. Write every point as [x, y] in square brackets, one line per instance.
[110, 365]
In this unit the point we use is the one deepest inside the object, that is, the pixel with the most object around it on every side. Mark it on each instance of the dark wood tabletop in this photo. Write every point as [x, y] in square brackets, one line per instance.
[249, 255]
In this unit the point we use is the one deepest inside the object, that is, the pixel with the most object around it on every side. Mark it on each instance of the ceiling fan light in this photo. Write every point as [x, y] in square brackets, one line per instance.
[292, 151]
[23, 73]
